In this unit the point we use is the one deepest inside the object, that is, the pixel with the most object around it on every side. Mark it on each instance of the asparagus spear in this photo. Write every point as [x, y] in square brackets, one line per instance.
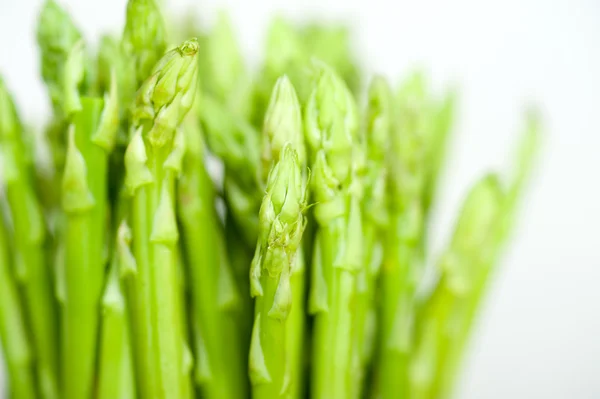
[375, 206]
[331, 129]
[221, 373]
[84, 201]
[236, 142]
[17, 350]
[143, 37]
[281, 227]
[489, 254]
[283, 125]
[115, 375]
[483, 226]
[33, 273]
[411, 142]
[56, 36]
[226, 108]
[152, 160]
[462, 269]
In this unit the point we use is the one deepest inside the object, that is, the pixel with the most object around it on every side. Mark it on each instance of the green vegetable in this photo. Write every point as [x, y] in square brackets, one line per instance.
[143, 37]
[32, 271]
[375, 212]
[281, 227]
[115, 375]
[331, 131]
[220, 371]
[56, 36]
[18, 351]
[416, 139]
[85, 204]
[283, 129]
[152, 160]
[461, 268]
[303, 220]
[466, 267]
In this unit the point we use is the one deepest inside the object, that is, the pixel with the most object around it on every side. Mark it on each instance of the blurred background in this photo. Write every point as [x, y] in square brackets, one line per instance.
[539, 334]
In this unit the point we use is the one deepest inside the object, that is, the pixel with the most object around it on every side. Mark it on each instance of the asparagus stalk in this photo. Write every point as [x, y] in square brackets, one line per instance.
[411, 144]
[283, 125]
[17, 350]
[56, 36]
[375, 206]
[236, 142]
[116, 375]
[461, 266]
[152, 160]
[226, 109]
[33, 273]
[221, 373]
[331, 129]
[487, 255]
[449, 313]
[281, 227]
[84, 201]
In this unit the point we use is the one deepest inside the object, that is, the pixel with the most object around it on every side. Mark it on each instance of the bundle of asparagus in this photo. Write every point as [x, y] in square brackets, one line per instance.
[129, 268]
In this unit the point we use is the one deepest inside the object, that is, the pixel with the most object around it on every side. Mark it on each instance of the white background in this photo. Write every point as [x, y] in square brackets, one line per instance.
[540, 335]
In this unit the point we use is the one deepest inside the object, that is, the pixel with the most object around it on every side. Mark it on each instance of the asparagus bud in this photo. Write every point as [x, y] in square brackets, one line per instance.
[56, 36]
[143, 36]
[281, 227]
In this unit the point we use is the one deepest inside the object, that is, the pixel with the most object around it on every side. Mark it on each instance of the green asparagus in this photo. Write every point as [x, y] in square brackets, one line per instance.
[152, 160]
[283, 126]
[115, 374]
[17, 349]
[85, 203]
[32, 271]
[281, 227]
[221, 373]
[375, 212]
[331, 131]
[274, 169]
[413, 142]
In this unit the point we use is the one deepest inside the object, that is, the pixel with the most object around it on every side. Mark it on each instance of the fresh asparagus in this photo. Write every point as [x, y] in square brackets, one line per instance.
[143, 37]
[375, 212]
[32, 271]
[115, 366]
[461, 268]
[85, 203]
[56, 37]
[414, 140]
[17, 349]
[152, 160]
[221, 373]
[236, 142]
[225, 111]
[132, 297]
[281, 227]
[283, 126]
[331, 131]
[466, 267]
